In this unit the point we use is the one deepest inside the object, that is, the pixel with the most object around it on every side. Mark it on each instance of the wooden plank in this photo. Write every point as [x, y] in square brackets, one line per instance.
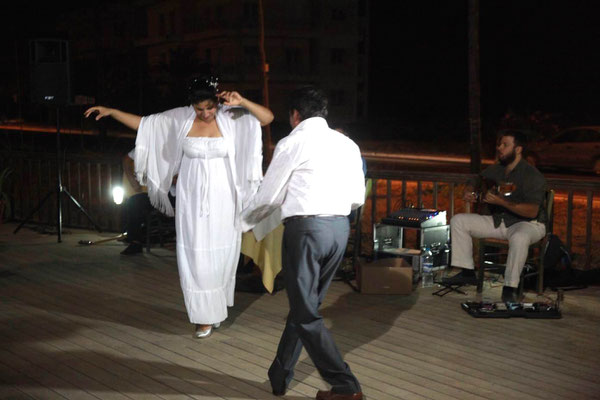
[52, 384]
[86, 360]
[125, 344]
[360, 361]
[14, 385]
[84, 322]
[163, 352]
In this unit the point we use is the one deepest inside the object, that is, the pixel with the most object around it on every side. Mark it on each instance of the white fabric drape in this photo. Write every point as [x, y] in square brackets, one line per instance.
[158, 152]
[214, 185]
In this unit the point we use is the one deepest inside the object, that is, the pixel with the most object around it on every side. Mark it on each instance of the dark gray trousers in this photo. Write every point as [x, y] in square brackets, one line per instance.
[312, 250]
[137, 208]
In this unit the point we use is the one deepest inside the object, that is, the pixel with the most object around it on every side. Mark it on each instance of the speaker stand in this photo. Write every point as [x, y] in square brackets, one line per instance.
[60, 189]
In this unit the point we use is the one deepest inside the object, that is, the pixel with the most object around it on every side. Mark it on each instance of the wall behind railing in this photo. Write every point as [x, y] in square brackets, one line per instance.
[89, 179]
[576, 203]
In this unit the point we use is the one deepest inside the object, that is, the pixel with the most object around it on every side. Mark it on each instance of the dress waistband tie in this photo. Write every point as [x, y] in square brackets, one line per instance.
[204, 206]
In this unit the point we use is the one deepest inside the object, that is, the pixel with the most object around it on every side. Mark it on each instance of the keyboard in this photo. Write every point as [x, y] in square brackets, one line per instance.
[416, 218]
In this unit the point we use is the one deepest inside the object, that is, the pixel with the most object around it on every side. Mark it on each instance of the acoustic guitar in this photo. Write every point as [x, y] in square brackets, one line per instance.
[488, 185]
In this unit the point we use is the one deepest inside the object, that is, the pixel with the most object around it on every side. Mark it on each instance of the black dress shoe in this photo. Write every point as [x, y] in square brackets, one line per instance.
[510, 294]
[277, 379]
[464, 277]
[133, 248]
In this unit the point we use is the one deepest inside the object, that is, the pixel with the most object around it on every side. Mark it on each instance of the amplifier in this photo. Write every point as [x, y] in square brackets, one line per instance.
[416, 218]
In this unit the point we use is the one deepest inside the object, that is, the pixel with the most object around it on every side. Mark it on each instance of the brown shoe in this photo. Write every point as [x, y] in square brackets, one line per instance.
[329, 395]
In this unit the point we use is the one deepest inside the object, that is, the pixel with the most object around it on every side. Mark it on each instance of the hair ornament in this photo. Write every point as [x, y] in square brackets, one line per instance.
[211, 82]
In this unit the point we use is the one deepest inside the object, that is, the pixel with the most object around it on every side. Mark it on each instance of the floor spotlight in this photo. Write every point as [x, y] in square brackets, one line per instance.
[118, 194]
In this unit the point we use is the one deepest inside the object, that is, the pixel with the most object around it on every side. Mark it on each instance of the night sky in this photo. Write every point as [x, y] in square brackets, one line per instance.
[536, 55]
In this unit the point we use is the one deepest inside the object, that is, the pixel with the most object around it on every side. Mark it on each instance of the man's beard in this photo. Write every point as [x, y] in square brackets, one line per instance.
[509, 158]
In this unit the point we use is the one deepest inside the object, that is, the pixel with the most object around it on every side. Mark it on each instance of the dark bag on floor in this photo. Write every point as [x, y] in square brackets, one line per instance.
[558, 271]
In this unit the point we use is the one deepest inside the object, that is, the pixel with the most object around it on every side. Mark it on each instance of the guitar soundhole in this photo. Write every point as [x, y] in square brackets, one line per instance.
[506, 188]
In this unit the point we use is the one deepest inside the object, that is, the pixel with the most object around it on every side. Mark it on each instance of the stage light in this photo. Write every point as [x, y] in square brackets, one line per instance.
[118, 194]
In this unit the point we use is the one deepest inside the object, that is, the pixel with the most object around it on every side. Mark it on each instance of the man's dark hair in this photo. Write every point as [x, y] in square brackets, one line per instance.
[519, 138]
[309, 101]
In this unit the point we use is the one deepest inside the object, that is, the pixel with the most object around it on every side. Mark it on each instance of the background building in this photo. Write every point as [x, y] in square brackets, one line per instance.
[140, 55]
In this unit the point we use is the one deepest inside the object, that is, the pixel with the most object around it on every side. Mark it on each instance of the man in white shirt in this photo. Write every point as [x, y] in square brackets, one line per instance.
[316, 178]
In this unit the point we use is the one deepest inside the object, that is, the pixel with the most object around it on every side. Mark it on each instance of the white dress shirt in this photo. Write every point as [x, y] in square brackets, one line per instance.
[315, 171]
[172, 189]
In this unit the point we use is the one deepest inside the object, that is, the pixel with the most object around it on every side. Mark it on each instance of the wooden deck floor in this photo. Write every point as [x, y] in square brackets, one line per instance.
[86, 323]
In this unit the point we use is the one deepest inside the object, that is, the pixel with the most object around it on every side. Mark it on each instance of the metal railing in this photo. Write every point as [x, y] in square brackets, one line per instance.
[573, 210]
[89, 179]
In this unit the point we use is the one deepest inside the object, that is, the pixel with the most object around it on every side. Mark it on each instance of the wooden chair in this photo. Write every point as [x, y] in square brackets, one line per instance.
[354, 239]
[348, 272]
[158, 226]
[501, 246]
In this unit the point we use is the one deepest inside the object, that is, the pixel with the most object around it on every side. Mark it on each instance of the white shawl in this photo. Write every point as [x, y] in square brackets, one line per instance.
[158, 152]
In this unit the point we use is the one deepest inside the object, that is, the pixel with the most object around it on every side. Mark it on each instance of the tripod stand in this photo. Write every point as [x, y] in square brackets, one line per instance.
[59, 190]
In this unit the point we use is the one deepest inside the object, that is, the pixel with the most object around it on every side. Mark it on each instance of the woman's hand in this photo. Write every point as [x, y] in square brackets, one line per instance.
[263, 114]
[102, 112]
[231, 98]
[131, 121]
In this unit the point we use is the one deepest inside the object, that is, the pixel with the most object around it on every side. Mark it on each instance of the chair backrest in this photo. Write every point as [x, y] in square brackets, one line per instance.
[355, 222]
[357, 214]
[549, 210]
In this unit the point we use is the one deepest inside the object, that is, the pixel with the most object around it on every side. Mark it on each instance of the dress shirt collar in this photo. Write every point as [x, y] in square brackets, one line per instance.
[312, 123]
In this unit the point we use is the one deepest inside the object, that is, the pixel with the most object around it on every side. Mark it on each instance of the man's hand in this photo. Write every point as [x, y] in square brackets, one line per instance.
[527, 210]
[470, 197]
[492, 198]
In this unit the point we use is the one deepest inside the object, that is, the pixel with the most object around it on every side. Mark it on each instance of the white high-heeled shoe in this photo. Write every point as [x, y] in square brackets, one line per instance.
[216, 325]
[202, 333]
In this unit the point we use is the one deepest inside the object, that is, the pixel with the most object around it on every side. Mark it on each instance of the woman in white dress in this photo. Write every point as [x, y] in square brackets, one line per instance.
[216, 150]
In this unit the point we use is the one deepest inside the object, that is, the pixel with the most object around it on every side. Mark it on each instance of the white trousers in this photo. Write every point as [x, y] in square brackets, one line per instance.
[466, 227]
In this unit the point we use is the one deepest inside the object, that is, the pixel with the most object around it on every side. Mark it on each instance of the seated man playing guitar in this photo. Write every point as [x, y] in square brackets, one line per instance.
[517, 215]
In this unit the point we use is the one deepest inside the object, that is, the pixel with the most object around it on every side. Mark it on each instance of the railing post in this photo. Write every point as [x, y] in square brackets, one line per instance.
[388, 208]
[569, 220]
[99, 180]
[89, 187]
[373, 202]
[451, 201]
[588, 229]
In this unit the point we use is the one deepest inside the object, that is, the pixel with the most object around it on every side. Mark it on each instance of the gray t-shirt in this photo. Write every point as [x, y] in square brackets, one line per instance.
[530, 187]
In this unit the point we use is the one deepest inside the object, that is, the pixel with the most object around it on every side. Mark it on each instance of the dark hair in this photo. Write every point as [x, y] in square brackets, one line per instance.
[519, 138]
[309, 101]
[203, 88]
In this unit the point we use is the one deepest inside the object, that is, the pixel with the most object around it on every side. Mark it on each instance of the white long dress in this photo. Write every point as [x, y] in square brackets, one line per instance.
[208, 244]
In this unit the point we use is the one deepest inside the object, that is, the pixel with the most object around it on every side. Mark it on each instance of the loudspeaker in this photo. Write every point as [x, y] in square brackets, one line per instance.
[50, 77]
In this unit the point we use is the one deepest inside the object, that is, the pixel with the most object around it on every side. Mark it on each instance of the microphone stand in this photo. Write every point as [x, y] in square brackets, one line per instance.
[59, 190]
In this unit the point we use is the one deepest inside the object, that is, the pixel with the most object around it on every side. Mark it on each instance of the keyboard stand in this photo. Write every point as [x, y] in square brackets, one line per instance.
[449, 287]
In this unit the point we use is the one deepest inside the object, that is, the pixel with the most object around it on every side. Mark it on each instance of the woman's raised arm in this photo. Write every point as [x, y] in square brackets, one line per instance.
[130, 120]
[262, 113]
